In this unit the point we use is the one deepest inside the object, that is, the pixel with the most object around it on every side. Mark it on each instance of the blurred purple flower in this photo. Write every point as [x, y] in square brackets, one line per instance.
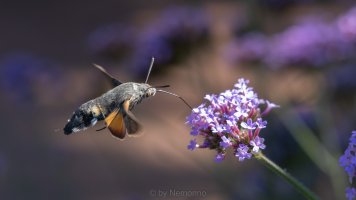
[250, 48]
[311, 43]
[184, 24]
[280, 4]
[171, 37]
[350, 193]
[217, 122]
[113, 41]
[347, 24]
[24, 75]
[342, 78]
[348, 162]
[348, 159]
[150, 44]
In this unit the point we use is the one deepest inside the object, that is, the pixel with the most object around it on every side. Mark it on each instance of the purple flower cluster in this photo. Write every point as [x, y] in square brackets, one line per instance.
[312, 42]
[348, 162]
[232, 119]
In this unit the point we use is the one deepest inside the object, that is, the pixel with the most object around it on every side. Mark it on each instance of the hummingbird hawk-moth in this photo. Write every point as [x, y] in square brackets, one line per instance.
[115, 107]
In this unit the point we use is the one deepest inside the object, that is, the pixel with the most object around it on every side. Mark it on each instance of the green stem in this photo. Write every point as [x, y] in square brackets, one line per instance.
[289, 178]
[315, 150]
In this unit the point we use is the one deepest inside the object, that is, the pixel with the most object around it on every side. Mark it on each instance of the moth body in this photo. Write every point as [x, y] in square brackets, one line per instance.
[89, 113]
[115, 107]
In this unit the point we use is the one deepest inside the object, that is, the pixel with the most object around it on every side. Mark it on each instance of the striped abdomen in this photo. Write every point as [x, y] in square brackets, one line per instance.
[85, 116]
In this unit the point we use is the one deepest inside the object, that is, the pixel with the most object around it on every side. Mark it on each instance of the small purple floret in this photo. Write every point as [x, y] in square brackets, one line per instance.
[257, 144]
[219, 157]
[248, 125]
[260, 123]
[192, 145]
[225, 143]
[242, 152]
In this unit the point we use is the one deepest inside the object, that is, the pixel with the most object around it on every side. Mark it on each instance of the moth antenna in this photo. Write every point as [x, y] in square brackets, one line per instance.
[149, 70]
[186, 103]
[161, 86]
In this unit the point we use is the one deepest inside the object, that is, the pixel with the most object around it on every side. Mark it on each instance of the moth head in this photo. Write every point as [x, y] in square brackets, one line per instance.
[150, 91]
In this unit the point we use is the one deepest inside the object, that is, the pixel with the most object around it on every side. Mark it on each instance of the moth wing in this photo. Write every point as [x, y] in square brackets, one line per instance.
[133, 125]
[134, 128]
[114, 82]
[116, 124]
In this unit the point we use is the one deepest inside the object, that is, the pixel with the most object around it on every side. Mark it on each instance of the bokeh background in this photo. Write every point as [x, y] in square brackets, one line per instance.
[300, 54]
